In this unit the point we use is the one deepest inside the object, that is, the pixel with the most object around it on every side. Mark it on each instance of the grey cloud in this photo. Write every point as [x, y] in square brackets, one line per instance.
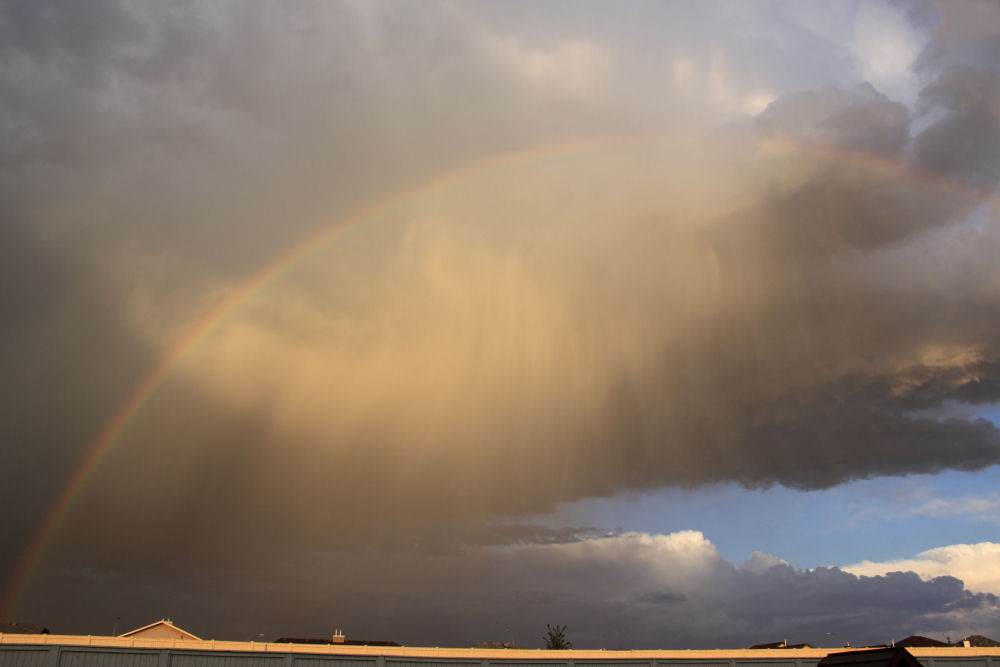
[835, 210]
[963, 33]
[964, 145]
[818, 450]
[641, 592]
[587, 322]
[443, 536]
[960, 62]
[53, 317]
[858, 118]
[64, 32]
[662, 598]
[974, 384]
[857, 607]
[782, 345]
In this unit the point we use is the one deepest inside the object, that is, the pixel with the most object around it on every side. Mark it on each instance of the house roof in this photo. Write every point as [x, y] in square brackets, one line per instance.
[979, 640]
[878, 657]
[23, 628]
[346, 642]
[921, 641]
[162, 623]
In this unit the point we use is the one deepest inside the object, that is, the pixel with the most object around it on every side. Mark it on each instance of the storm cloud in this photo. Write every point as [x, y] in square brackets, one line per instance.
[606, 259]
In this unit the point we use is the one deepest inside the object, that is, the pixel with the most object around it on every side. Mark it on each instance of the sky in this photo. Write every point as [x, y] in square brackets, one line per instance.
[676, 323]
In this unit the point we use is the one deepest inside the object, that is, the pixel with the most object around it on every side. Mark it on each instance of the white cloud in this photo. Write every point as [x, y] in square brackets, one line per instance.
[978, 565]
[759, 562]
[987, 508]
[885, 45]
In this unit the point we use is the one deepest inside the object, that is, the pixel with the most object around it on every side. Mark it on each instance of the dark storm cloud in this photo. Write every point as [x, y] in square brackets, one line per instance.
[54, 316]
[860, 118]
[670, 311]
[887, 444]
[662, 598]
[963, 34]
[965, 144]
[700, 378]
[453, 537]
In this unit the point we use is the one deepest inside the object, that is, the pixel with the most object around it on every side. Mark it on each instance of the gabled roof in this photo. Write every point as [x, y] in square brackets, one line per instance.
[919, 641]
[161, 626]
[877, 657]
[979, 640]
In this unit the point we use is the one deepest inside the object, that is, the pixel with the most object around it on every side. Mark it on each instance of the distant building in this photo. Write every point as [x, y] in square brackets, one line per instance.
[162, 629]
[781, 644]
[919, 641]
[337, 638]
[23, 628]
[979, 641]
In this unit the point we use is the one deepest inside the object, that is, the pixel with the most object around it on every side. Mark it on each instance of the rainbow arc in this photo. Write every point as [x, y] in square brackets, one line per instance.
[302, 252]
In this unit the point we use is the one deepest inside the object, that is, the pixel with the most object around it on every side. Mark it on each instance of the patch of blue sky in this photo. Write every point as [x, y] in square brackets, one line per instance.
[875, 519]
[878, 519]
[990, 412]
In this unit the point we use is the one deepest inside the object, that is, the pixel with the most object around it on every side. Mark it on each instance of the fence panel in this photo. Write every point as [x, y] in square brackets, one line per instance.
[12, 657]
[107, 658]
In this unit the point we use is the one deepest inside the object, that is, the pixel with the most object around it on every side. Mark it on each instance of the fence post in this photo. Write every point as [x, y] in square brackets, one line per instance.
[54, 656]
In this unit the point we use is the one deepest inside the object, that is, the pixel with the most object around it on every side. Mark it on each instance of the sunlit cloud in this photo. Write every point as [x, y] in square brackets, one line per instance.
[977, 565]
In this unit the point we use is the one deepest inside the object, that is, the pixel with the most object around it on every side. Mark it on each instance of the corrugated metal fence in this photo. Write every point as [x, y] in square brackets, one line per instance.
[101, 656]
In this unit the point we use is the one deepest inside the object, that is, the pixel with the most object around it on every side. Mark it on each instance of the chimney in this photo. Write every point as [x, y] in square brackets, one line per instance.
[338, 636]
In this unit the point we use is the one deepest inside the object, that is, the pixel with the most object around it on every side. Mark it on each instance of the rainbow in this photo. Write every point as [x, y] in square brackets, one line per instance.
[881, 163]
[246, 292]
[301, 252]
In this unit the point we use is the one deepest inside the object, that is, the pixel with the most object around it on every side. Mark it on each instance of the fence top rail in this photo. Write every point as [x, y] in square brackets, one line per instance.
[514, 655]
